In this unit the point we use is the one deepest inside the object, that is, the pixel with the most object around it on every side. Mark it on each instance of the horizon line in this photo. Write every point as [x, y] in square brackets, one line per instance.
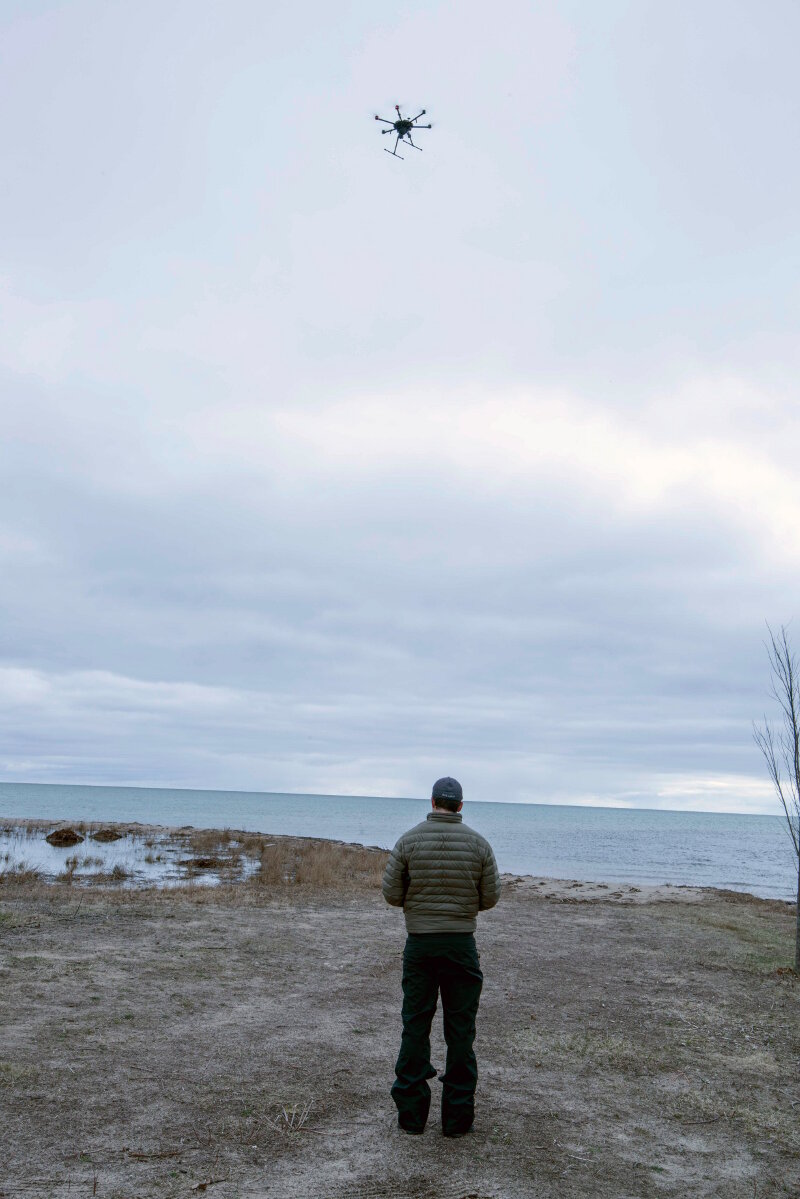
[608, 807]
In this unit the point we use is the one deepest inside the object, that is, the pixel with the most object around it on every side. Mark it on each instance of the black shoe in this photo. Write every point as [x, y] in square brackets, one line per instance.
[458, 1131]
[414, 1129]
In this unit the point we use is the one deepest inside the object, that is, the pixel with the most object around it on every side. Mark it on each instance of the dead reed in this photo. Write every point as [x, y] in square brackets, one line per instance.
[295, 861]
[20, 876]
[210, 842]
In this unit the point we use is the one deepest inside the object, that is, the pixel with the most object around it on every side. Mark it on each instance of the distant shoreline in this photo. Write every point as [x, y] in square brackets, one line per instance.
[179, 838]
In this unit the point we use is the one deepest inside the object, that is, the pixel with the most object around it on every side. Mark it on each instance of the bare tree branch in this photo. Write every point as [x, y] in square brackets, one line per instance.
[765, 740]
[782, 754]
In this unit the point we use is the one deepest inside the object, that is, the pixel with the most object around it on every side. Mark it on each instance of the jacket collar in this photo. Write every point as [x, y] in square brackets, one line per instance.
[450, 817]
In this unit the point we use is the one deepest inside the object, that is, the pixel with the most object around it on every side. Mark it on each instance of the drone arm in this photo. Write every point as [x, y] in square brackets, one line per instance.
[419, 114]
[385, 123]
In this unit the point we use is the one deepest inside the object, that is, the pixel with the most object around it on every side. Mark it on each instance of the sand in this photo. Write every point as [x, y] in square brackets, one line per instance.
[239, 1042]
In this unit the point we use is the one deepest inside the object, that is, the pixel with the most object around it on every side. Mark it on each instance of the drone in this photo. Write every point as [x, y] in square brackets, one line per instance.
[402, 127]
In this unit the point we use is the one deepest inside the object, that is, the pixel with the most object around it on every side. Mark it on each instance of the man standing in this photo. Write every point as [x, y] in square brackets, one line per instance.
[442, 874]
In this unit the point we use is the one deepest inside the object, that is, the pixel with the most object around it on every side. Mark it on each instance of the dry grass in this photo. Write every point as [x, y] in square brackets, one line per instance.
[67, 875]
[22, 876]
[252, 844]
[210, 842]
[600, 1050]
[215, 849]
[292, 1116]
[745, 927]
[309, 863]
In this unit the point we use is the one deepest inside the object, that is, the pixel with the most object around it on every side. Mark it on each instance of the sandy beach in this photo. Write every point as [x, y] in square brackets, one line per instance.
[238, 1040]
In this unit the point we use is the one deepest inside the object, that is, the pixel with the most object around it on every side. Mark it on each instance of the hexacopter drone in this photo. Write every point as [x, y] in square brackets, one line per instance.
[402, 127]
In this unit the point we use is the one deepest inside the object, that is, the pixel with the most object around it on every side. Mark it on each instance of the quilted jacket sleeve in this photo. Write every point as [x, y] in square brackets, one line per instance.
[395, 877]
[489, 886]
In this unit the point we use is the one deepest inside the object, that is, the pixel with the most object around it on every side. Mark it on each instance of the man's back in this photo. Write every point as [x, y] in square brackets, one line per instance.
[442, 873]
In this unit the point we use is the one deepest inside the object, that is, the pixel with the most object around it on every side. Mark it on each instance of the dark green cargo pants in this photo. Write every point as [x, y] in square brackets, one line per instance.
[433, 963]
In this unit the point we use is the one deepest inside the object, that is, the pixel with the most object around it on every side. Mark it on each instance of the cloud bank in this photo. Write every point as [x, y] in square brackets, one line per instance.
[323, 477]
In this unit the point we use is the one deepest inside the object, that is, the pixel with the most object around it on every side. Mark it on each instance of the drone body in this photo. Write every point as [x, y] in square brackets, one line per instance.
[402, 127]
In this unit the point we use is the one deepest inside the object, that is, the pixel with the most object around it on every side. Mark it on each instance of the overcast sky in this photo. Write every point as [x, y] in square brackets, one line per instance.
[328, 472]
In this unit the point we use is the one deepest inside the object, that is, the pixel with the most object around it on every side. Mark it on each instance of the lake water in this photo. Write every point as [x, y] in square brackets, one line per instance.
[745, 853]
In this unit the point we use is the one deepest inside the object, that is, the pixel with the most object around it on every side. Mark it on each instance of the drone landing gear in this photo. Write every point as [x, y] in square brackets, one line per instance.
[406, 142]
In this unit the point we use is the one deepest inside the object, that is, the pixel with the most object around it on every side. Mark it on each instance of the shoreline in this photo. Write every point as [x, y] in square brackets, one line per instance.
[639, 847]
[181, 837]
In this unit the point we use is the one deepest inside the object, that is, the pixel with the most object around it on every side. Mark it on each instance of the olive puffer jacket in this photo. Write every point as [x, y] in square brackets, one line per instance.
[441, 873]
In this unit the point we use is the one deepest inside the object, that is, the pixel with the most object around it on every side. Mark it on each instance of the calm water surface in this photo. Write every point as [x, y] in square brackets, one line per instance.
[746, 853]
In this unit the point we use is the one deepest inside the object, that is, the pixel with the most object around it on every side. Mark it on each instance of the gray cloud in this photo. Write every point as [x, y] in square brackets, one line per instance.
[323, 476]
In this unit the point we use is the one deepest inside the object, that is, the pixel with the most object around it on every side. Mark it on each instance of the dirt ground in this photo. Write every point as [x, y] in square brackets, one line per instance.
[240, 1041]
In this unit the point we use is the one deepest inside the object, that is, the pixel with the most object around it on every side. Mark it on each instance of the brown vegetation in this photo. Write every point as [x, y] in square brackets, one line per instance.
[202, 863]
[295, 861]
[22, 877]
[209, 842]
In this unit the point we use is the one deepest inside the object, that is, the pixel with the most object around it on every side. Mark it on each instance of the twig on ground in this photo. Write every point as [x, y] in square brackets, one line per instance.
[578, 1157]
[199, 1135]
[294, 1117]
[142, 1157]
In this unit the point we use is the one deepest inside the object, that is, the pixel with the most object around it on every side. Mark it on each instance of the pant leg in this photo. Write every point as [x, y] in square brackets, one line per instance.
[411, 1092]
[461, 981]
